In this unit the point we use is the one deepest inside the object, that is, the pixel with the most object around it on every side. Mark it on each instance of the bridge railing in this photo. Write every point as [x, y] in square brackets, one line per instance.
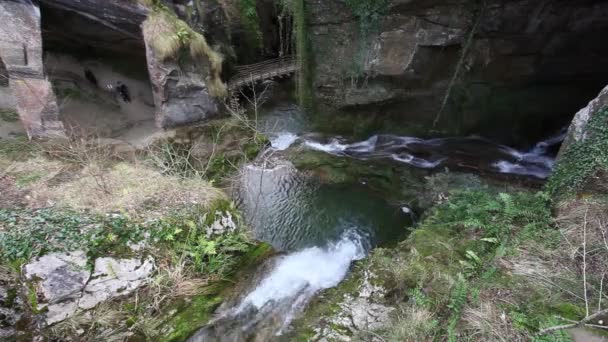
[263, 70]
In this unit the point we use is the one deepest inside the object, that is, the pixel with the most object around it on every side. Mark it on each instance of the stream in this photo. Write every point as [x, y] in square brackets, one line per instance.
[320, 229]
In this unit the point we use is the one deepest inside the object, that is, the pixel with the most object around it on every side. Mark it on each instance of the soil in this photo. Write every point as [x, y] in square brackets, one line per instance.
[10, 195]
[96, 109]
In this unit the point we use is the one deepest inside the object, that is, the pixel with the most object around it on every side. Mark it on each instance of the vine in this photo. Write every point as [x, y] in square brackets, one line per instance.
[460, 64]
[251, 22]
[368, 13]
[583, 158]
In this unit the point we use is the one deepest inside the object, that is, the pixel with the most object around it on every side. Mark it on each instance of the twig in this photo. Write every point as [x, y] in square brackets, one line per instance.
[582, 322]
[585, 263]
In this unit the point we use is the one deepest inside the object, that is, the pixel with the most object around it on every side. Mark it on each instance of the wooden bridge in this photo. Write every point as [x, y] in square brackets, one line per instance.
[268, 69]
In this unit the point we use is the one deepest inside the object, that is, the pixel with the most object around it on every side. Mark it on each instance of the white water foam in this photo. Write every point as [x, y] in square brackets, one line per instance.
[282, 141]
[298, 276]
[536, 161]
[508, 167]
[333, 147]
[417, 162]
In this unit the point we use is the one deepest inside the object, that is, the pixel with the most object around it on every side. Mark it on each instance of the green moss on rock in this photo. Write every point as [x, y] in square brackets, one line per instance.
[583, 165]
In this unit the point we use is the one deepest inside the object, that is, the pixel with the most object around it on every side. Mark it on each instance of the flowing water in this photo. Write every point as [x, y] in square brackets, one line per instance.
[322, 228]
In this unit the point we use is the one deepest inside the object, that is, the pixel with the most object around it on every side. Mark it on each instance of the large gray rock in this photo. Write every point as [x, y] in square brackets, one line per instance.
[58, 279]
[65, 286]
[577, 129]
[181, 94]
[113, 278]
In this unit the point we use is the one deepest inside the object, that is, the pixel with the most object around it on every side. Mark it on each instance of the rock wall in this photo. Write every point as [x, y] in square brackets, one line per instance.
[512, 67]
[581, 167]
[21, 53]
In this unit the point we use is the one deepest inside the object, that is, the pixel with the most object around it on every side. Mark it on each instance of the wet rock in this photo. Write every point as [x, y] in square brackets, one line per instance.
[362, 312]
[113, 278]
[400, 65]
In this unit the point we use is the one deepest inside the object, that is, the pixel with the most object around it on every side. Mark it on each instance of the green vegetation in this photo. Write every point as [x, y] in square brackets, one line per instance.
[19, 148]
[9, 115]
[251, 23]
[220, 149]
[582, 159]
[446, 278]
[369, 13]
[304, 54]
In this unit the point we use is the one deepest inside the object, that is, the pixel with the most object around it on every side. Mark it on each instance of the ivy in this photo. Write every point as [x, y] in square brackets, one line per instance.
[369, 13]
[251, 22]
[582, 159]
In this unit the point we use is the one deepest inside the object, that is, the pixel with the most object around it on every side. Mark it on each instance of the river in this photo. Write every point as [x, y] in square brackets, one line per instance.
[320, 228]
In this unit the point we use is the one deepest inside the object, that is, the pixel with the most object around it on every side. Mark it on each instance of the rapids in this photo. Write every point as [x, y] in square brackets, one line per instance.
[320, 229]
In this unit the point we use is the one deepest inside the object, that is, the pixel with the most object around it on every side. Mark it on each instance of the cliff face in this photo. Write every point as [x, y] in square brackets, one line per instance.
[109, 32]
[502, 68]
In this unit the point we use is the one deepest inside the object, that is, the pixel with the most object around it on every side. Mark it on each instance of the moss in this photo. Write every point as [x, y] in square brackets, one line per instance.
[169, 36]
[250, 21]
[582, 160]
[305, 57]
[396, 184]
[324, 306]
[193, 314]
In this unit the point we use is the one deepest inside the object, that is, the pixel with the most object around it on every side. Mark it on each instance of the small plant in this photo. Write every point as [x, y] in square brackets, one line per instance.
[9, 115]
[458, 299]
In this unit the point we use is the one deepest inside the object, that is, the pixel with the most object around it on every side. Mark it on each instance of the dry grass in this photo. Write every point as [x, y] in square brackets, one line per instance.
[412, 324]
[163, 28]
[129, 187]
[106, 321]
[486, 322]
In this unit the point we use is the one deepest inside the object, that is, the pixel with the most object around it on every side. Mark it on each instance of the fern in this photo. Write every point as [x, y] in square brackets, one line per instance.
[458, 299]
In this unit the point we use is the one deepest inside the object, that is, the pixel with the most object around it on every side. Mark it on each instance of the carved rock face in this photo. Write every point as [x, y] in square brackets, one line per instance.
[21, 53]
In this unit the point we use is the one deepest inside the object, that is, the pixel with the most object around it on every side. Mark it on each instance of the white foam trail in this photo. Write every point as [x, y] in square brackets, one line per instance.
[300, 275]
[368, 145]
[334, 147]
[282, 141]
[504, 166]
[417, 162]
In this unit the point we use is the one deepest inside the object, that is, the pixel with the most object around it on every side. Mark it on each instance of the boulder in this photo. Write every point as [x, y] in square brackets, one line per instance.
[113, 278]
[58, 279]
[65, 286]
[181, 96]
[578, 127]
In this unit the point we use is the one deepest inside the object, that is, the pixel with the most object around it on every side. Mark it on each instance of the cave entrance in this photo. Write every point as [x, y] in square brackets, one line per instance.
[99, 74]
